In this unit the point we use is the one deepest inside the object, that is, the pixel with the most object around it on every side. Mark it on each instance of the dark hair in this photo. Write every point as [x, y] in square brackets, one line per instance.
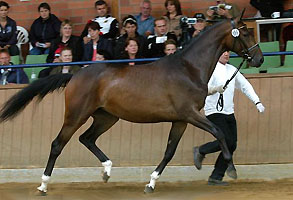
[177, 5]
[45, 6]
[66, 49]
[94, 25]
[129, 19]
[4, 51]
[3, 3]
[170, 41]
[100, 2]
[105, 53]
[127, 41]
[159, 19]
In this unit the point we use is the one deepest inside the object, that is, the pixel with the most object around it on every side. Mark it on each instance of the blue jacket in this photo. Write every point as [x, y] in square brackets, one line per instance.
[12, 76]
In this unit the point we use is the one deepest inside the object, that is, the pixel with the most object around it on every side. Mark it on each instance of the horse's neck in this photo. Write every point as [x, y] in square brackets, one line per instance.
[205, 52]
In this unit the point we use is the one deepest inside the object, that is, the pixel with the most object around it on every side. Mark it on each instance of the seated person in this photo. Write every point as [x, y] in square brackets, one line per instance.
[9, 75]
[131, 50]
[199, 26]
[145, 22]
[8, 35]
[102, 55]
[96, 42]
[170, 47]
[156, 42]
[44, 30]
[65, 56]
[173, 16]
[66, 39]
[222, 10]
[109, 25]
[130, 27]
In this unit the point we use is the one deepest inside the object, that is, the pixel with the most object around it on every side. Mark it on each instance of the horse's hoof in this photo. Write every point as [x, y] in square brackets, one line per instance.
[148, 189]
[231, 171]
[105, 177]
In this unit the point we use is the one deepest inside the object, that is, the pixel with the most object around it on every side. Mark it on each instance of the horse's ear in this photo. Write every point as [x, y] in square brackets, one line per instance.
[239, 17]
[242, 13]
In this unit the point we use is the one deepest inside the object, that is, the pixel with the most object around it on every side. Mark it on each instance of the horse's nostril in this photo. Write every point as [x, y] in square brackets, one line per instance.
[262, 60]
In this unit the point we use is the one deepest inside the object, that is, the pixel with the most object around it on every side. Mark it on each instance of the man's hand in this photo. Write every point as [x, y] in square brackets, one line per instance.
[260, 107]
[213, 90]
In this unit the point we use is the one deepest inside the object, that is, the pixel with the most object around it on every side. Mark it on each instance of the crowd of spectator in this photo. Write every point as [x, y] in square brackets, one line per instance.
[138, 36]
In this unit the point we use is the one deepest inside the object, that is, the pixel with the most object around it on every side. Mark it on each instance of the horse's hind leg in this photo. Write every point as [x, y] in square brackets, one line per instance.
[102, 122]
[68, 129]
[202, 122]
[175, 135]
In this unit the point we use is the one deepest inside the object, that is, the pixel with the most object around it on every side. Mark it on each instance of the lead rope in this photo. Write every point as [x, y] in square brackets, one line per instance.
[220, 103]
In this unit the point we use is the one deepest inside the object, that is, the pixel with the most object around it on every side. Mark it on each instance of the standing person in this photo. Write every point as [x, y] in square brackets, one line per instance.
[96, 42]
[109, 25]
[155, 42]
[44, 30]
[224, 119]
[9, 75]
[145, 21]
[173, 16]
[8, 33]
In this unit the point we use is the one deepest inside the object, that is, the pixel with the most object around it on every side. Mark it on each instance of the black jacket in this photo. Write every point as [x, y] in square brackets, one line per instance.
[156, 50]
[103, 43]
[8, 35]
[74, 43]
[45, 31]
[267, 7]
[120, 45]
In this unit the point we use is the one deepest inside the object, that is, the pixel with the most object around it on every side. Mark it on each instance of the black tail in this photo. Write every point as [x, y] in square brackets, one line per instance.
[40, 88]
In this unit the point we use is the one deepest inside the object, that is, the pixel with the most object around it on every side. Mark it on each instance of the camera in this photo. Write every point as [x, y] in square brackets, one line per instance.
[214, 8]
[186, 20]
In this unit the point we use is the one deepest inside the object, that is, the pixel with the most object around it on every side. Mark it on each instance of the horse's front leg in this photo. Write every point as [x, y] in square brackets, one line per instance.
[175, 135]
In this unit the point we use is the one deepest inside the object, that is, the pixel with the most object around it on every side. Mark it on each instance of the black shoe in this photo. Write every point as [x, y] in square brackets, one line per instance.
[212, 181]
[231, 171]
[197, 158]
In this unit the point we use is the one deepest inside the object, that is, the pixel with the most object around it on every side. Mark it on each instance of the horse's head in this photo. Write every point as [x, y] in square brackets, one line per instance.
[243, 43]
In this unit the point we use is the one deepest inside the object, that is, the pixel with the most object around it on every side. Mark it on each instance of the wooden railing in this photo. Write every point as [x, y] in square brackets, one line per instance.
[262, 138]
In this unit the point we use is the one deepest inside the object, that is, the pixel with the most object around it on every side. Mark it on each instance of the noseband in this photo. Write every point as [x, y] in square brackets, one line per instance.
[236, 33]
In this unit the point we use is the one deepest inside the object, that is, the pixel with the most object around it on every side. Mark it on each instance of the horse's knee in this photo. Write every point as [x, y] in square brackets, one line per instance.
[83, 140]
[56, 147]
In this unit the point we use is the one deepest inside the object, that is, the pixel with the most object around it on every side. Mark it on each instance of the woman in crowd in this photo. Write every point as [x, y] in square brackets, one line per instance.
[65, 56]
[130, 28]
[131, 50]
[8, 35]
[173, 16]
[44, 30]
[66, 39]
[96, 43]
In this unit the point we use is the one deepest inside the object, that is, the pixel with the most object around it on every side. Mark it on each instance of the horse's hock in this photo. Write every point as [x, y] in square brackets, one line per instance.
[26, 140]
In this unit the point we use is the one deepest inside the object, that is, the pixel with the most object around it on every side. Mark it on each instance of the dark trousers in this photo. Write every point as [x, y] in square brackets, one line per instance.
[227, 123]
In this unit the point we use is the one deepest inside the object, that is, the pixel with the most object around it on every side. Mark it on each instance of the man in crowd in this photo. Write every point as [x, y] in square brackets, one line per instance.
[109, 25]
[145, 21]
[9, 75]
[156, 42]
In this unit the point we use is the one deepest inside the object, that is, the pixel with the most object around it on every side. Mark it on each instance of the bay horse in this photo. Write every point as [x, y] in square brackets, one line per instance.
[171, 89]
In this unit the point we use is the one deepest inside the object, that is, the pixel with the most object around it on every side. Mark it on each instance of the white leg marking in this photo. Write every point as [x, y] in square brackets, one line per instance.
[45, 181]
[107, 167]
[154, 177]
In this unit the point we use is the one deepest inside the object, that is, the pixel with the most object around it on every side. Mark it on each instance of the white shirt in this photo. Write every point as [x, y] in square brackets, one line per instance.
[219, 77]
